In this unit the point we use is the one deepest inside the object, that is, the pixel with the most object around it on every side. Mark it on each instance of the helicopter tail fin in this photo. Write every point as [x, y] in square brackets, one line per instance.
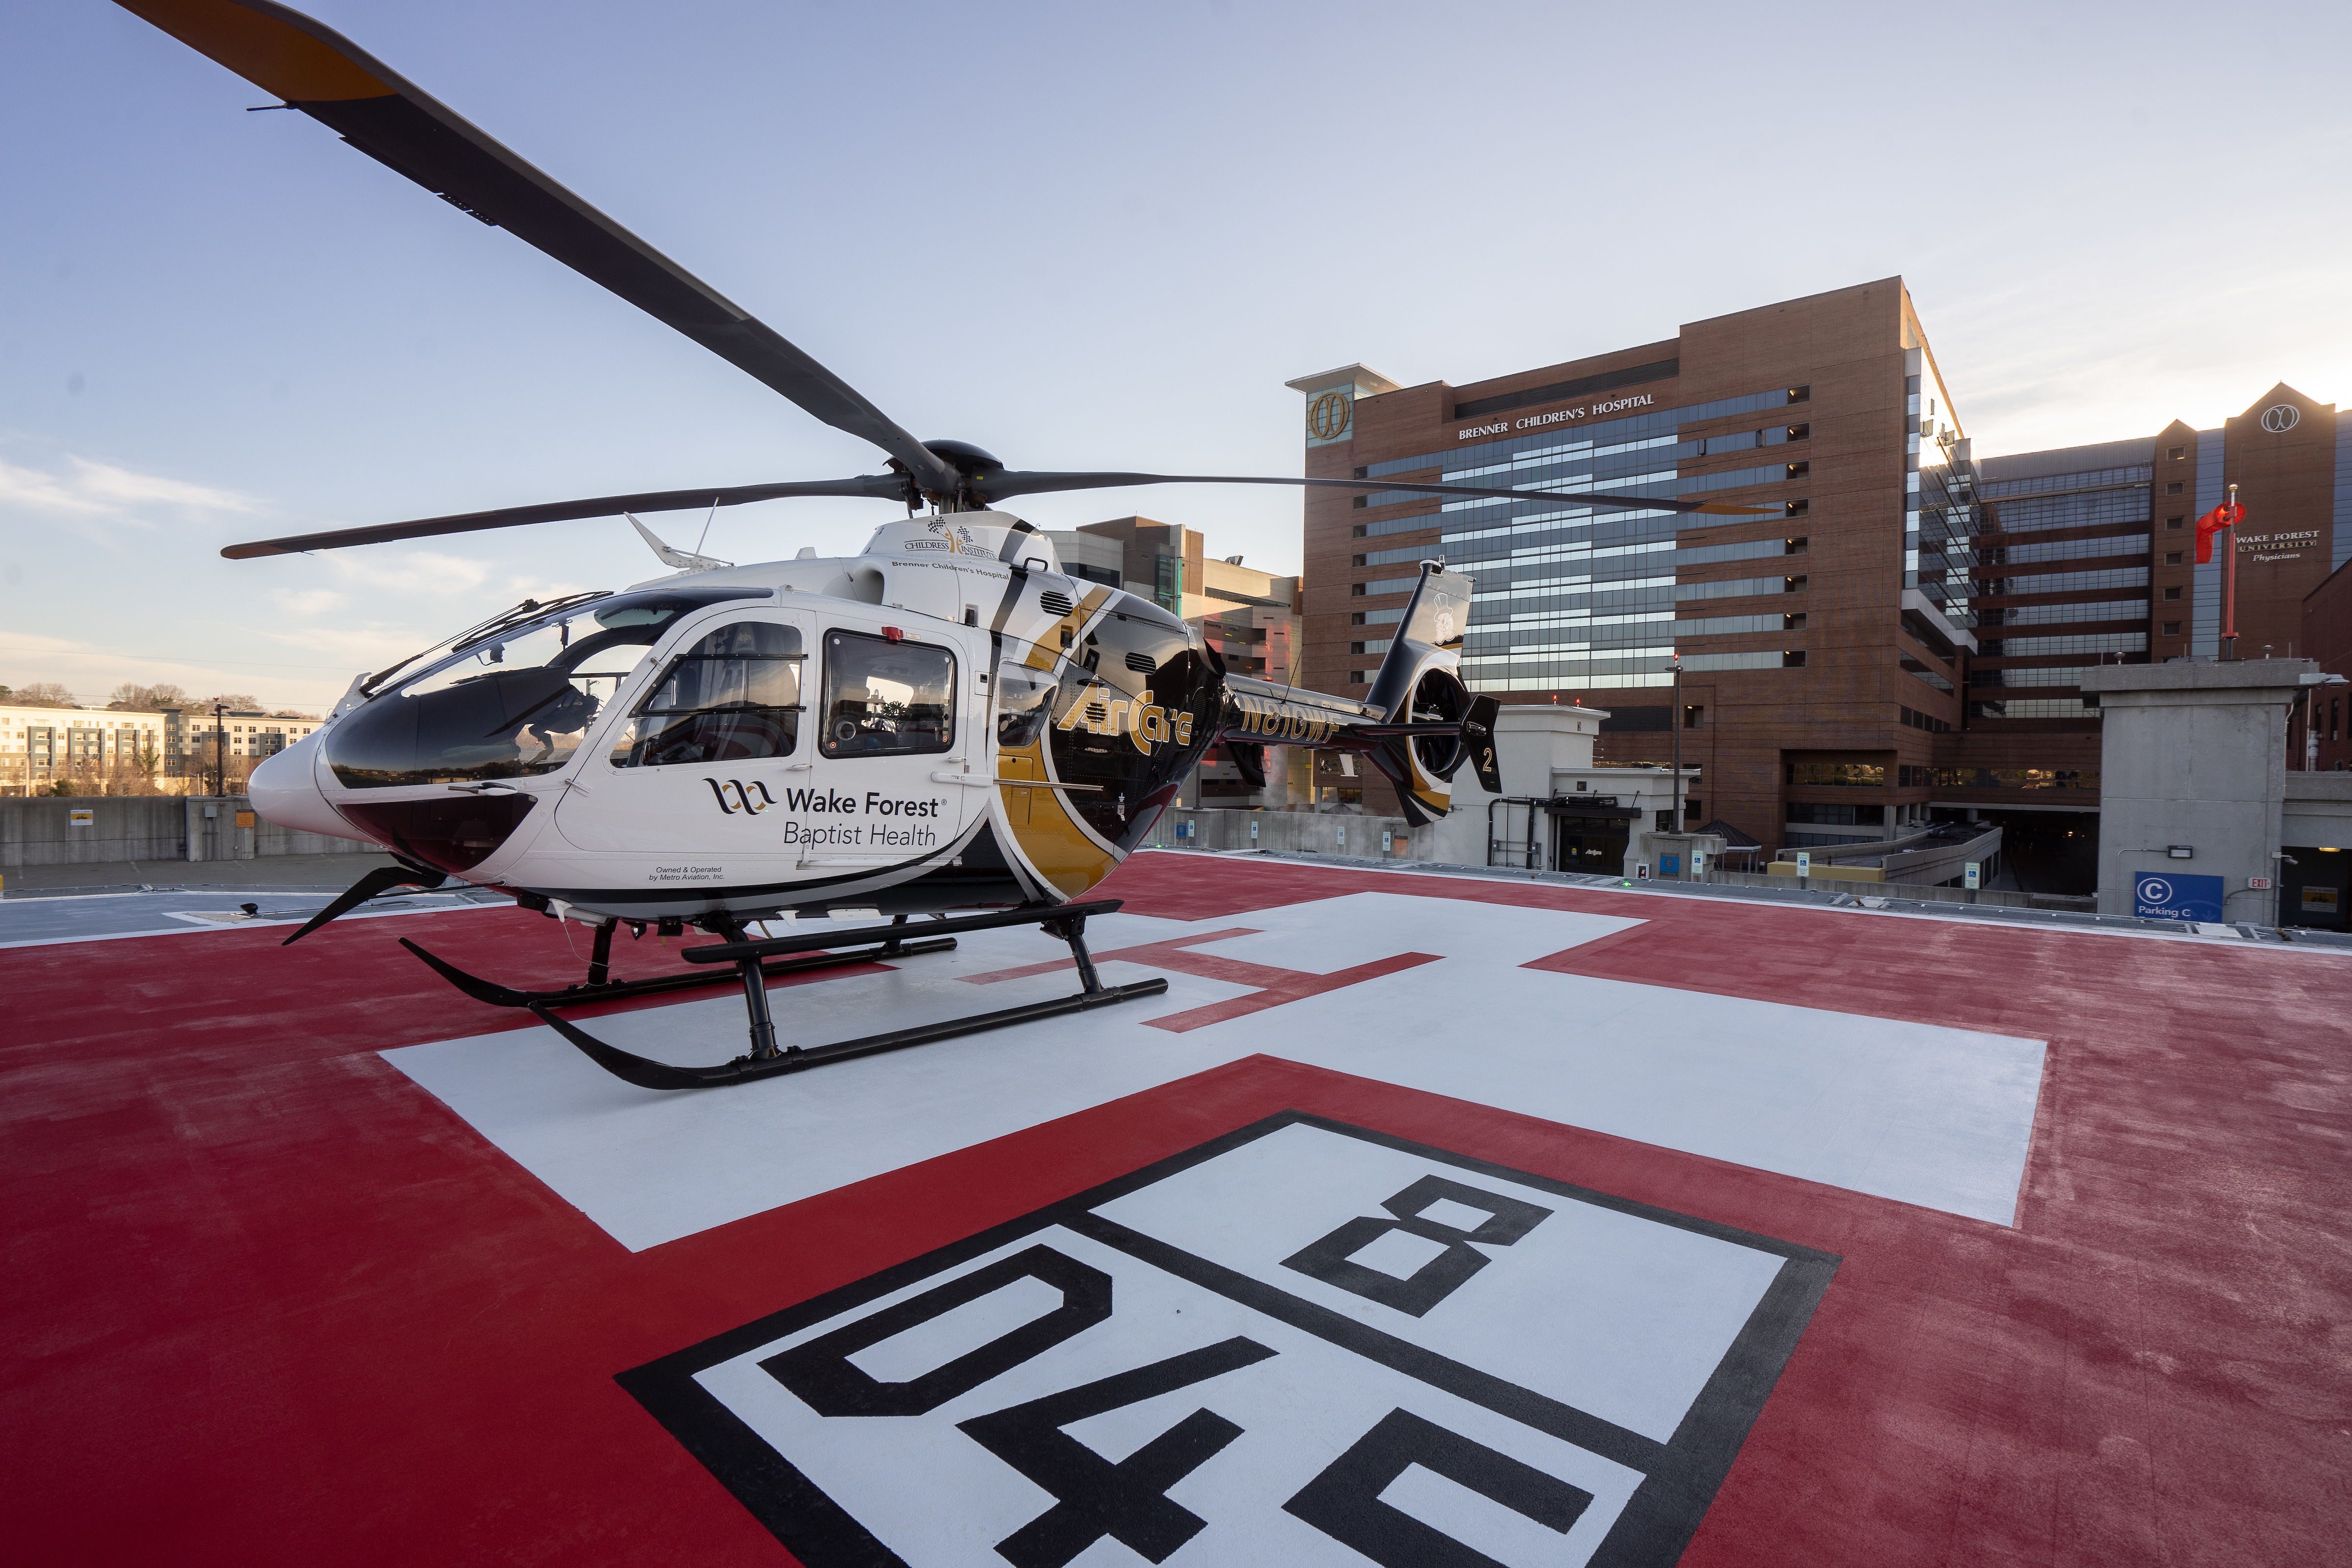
[1420, 683]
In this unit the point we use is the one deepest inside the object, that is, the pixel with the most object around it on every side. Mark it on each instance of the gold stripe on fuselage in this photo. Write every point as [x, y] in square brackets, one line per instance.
[1057, 846]
[1047, 648]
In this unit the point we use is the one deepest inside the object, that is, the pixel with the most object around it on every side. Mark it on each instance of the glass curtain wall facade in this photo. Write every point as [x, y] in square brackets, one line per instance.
[1795, 413]
[1582, 598]
[2036, 509]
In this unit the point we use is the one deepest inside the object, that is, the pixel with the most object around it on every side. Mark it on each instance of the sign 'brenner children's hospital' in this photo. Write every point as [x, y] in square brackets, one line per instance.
[1558, 417]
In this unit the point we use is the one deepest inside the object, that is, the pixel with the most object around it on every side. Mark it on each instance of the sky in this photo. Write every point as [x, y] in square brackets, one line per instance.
[1079, 236]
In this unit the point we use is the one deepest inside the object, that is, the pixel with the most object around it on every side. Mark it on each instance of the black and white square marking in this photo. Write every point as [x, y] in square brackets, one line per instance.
[1303, 1342]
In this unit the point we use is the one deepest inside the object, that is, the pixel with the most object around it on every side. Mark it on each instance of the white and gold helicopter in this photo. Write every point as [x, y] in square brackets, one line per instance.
[945, 725]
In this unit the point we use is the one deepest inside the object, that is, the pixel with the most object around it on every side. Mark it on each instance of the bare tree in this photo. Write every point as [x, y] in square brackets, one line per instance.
[245, 704]
[42, 694]
[132, 696]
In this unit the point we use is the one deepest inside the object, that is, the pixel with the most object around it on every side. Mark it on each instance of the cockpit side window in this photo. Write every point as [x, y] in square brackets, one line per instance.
[885, 699]
[516, 705]
[733, 696]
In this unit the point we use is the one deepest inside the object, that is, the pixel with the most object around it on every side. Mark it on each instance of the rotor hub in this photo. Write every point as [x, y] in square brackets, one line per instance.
[973, 466]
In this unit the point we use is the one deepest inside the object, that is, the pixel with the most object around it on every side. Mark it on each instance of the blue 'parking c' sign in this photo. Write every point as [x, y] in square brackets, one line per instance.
[2166, 897]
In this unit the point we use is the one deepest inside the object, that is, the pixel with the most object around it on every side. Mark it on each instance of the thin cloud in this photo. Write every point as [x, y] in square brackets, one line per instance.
[406, 571]
[308, 602]
[92, 671]
[81, 488]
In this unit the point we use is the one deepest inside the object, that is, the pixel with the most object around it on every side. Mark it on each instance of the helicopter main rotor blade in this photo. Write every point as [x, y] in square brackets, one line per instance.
[316, 70]
[1005, 483]
[875, 487]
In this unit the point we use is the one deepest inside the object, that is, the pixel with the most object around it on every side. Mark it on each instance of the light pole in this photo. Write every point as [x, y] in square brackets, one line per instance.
[220, 752]
[1675, 821]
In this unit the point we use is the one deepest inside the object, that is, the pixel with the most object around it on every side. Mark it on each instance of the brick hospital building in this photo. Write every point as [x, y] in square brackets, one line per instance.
[1893, 638]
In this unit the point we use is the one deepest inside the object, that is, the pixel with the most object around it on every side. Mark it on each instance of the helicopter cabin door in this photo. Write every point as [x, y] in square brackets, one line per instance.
[694, 781]
[888, 706]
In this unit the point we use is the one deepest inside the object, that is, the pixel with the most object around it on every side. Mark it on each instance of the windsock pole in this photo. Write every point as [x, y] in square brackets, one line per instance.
[2229, 585]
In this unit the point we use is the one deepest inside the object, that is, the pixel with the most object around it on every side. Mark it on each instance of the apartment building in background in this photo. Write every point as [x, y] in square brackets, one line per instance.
[197, 740]
[40, 746]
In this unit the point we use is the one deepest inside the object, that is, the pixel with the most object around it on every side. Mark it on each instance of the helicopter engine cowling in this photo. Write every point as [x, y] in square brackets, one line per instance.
[1115, 703]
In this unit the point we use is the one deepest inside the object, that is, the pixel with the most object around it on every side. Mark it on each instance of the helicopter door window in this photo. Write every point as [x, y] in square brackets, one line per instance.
[885, 699]
[734, 696]
[1024, 705]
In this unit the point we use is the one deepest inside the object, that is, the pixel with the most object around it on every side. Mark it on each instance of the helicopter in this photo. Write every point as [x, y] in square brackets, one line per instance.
[945, 728]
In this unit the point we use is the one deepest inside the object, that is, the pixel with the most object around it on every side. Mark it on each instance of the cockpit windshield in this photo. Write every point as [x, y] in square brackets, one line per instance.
[514, 702]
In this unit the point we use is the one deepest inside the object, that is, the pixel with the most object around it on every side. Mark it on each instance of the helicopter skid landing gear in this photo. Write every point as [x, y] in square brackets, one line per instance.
[766, 1059]
[601, 987]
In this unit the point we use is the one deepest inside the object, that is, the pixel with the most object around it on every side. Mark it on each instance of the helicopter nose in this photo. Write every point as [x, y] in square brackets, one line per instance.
[285, 790]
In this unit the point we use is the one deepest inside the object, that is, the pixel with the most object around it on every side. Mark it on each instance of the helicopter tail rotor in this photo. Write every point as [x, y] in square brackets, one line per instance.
[1418, 725]
[1418, 689]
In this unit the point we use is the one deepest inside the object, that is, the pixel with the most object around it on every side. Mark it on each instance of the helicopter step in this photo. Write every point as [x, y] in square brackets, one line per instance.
[767, 1059]
[600, 989]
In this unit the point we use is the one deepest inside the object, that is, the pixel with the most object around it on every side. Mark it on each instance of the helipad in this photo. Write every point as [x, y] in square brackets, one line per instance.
[1423, 1220]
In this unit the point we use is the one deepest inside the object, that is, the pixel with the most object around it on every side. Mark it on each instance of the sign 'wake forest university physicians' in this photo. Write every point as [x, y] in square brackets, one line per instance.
[1301, 1343]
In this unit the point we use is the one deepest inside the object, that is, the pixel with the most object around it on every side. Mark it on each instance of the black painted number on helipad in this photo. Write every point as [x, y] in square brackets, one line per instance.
[1245, 1354]
[1330, 1259]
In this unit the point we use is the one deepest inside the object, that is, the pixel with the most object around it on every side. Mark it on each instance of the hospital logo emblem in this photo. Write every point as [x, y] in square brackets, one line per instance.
[2281, 418]
[1328, 416]
[734, 795]
[1303, 1342]
[954, 538]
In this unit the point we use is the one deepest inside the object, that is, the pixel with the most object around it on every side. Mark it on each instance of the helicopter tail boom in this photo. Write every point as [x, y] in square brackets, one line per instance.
[1417, 725]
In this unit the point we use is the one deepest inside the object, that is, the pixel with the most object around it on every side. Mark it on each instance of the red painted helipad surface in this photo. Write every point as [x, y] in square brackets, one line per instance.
[269, 1299]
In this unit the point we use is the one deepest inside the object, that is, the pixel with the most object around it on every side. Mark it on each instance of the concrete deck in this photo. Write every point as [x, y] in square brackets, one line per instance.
[1423, 1214]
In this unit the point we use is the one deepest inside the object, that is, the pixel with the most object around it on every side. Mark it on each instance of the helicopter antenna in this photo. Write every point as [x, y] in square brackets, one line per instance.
[684, 560]
[705, 525]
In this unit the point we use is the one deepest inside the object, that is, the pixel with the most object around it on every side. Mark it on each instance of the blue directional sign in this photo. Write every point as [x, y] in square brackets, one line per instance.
[2166, 897]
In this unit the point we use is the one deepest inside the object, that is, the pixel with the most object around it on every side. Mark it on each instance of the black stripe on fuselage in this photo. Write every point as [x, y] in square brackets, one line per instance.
[710, 893]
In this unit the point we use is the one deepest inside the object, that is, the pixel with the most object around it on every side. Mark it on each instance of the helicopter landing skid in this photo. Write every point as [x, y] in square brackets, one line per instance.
[766, 1059]
[498, 995]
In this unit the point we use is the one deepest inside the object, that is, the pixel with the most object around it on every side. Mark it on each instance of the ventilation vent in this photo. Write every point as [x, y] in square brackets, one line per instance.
[1141, 663]
[1056, 604]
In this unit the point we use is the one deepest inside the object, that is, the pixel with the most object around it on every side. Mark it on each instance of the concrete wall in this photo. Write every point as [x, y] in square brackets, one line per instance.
[1296, 832]
[1945, 862]
[2193, 754]
[1907, 869]
[39, 831]
[1916, 892]
[2318, 810]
